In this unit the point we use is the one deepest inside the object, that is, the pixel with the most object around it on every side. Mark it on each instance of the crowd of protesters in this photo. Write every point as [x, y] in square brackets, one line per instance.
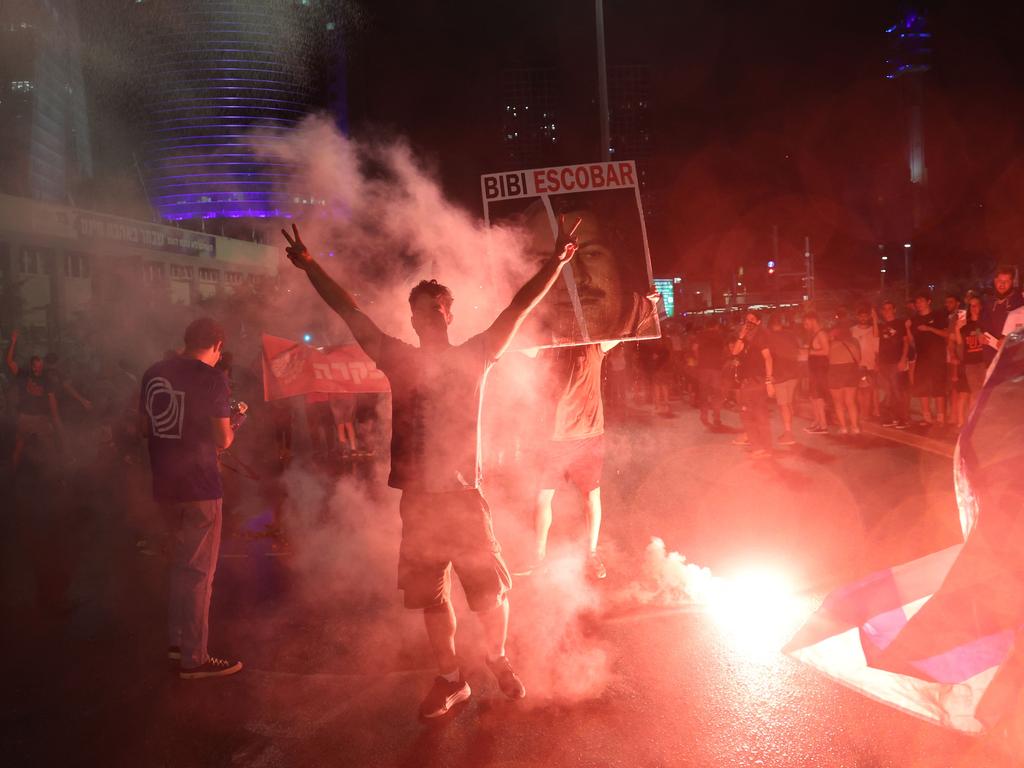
[918, 366]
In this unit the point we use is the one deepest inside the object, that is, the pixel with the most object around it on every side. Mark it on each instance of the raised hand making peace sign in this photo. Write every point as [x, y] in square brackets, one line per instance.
[297, 252]
[567, 242]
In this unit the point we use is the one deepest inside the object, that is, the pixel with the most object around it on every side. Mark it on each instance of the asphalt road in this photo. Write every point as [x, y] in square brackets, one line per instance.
[620, 673]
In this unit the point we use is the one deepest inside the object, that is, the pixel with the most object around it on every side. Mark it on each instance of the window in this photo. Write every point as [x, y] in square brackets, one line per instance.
[152, 271]
[209, 275]
[35, 261]
[234, 277]
[76, 264]
[29, 262]
[22, 86]
[181, 271]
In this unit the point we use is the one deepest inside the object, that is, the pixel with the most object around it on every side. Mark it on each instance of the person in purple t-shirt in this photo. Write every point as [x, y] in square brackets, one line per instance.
[186, 417]
[436, 393]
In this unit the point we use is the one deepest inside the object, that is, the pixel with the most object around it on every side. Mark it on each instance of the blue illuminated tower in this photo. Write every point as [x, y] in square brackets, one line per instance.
[218, 72]
[910, 46]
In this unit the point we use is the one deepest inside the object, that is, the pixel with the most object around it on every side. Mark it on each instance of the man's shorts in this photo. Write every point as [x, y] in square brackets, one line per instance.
[930, 378]
[784, 392]
[573, 462]
[446, 531]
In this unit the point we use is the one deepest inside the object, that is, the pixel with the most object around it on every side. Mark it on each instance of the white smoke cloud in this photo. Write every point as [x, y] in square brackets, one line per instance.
[388, 225]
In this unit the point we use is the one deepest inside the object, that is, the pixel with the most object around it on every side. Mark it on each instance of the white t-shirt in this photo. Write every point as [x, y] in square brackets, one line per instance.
[868, 342]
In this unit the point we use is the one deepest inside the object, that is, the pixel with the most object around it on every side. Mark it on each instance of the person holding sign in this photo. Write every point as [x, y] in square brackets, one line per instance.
[437, 389]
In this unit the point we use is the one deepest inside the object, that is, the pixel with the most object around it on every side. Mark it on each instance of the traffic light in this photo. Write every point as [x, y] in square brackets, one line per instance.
[771, 267]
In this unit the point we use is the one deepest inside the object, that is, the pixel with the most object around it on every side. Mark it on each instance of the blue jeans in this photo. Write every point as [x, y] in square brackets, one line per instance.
[895, 392]
[195, 543]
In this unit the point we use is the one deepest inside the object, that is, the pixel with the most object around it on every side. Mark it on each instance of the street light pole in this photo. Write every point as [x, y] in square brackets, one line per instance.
[809, 267]
[602, 83]
[882, 268]
[906, 270]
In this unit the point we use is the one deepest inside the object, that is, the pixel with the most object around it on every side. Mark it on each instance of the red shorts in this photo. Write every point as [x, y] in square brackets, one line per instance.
[442, 532]
[573, 462]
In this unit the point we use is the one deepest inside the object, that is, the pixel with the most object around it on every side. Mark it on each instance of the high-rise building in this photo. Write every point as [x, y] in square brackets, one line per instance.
[910, 45]
[530, 120]
[219, 74]
[630, 126]
[532, 130]
[44, 130]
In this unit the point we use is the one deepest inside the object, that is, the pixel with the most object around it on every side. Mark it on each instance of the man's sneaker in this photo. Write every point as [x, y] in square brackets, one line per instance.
[174, 653]
[901, 425]
[816, 430]
[595, 568]
[741, 440]
[787, 439]
[444, 695]
[508, 680]
[213, 667]
[890, 423]
[761, 453]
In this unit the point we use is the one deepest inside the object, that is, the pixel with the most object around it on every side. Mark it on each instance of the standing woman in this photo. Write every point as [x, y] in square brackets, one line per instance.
[844, 376]
[969, 339]
[817, 372]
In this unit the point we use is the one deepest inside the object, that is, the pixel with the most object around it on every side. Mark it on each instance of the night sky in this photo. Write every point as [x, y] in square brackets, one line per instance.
[764, 115]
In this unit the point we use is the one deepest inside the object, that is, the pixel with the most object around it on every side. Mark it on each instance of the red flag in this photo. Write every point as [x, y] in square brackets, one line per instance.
[291, 368]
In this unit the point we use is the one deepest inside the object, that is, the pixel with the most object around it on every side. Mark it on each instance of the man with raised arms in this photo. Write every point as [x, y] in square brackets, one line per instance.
[437, 390]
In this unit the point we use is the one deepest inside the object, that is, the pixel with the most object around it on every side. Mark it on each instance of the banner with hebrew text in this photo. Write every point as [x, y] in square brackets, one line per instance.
[292, 368]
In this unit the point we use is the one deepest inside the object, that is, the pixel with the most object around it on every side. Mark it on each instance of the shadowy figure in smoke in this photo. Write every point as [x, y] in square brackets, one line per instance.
[437, 389]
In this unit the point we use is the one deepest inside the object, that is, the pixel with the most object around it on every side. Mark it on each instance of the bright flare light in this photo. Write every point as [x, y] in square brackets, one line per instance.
[757, 610]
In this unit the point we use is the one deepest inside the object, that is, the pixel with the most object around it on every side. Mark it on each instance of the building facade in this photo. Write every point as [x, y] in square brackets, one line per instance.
[57, 262]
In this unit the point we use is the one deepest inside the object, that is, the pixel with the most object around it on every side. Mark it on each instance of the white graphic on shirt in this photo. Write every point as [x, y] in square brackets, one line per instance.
[166, 408]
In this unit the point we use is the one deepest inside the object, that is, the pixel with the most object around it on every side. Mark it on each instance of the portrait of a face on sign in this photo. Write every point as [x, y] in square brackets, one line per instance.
[602, 293]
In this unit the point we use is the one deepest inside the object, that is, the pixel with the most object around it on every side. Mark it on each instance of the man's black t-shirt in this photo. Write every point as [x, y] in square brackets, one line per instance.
[33, 393]
[890, 341]
[181, 396]
[435, 413]
[995, 309]
[752, 357]
[931, 348]
[785, 348]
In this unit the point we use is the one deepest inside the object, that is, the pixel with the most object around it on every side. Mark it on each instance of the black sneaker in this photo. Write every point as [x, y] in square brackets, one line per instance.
[508, 680]
[595, 568]
[444, 695]
[213, 667]
[890, 423]
[174, 653]
[902, 425]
